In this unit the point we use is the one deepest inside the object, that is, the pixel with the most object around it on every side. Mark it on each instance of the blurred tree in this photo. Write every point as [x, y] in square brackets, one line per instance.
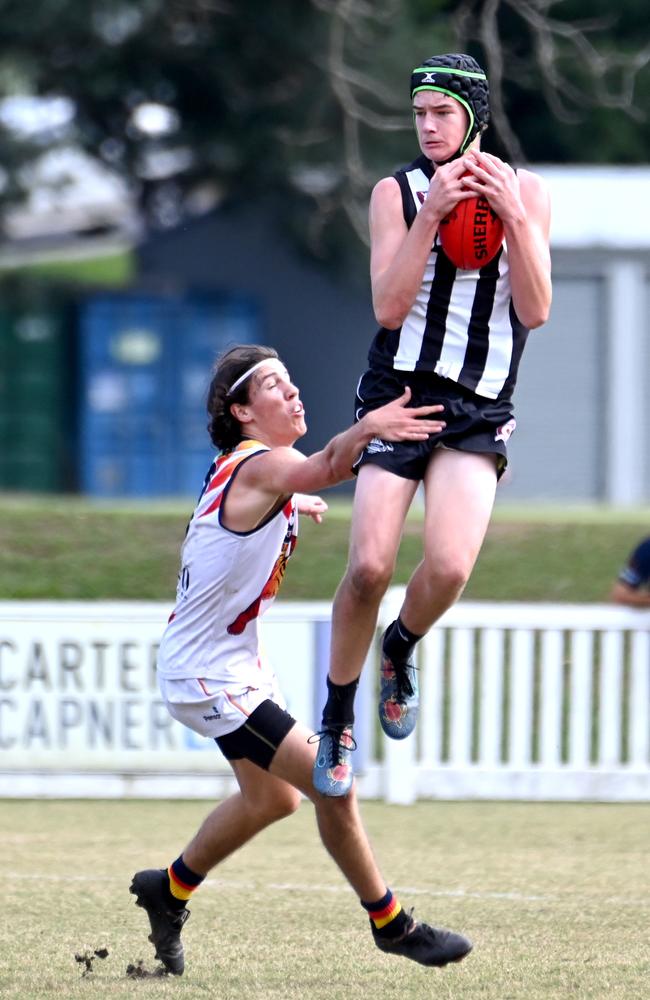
[306, 101]
[564, 87]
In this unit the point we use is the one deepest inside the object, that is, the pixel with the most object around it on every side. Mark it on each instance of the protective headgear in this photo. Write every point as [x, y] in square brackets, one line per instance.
[458, 76]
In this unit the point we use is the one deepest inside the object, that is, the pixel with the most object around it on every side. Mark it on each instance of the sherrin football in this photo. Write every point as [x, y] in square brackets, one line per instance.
[471, 234]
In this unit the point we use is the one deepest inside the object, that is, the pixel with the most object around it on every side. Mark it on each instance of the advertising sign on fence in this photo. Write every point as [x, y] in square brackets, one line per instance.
[78, 687]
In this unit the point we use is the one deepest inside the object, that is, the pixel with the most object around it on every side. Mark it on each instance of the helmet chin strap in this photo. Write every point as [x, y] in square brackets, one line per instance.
[462, 149]
[459, 152]
[459, 77]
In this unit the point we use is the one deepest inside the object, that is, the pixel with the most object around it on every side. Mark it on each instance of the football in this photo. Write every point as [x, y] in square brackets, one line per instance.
[471, 234]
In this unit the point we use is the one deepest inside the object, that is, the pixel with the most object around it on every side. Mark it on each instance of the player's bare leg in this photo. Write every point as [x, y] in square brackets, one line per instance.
[264, 797]
[459, 496]
[381, 498]
[381, 503]
[459, 490]
[342, 832]
[338, 820]
[262, 800]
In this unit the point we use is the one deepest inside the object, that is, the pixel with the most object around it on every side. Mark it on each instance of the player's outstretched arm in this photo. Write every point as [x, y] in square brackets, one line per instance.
[282, 471]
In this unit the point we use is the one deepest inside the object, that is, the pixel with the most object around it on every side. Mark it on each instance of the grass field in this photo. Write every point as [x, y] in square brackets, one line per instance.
[555, 897]
[114, 269]
[52, 547]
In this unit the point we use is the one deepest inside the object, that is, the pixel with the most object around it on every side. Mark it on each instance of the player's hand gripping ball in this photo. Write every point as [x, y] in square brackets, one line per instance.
[471, 234]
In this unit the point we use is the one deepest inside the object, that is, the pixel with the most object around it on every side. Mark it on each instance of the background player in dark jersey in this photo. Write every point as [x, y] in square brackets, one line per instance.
[213, 676]
[455, 337]
[633, 584]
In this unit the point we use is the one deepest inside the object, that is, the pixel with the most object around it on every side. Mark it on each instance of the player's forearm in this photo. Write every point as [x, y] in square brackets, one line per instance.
[622, 594]
[340, 454]
[332, 465]
[530, 274]
[394, 291]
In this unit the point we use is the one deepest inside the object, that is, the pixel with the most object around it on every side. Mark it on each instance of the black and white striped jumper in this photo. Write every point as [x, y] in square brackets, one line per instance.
[462, 325]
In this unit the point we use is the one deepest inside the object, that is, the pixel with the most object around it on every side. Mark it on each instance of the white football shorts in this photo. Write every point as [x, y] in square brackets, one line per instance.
[201, 705]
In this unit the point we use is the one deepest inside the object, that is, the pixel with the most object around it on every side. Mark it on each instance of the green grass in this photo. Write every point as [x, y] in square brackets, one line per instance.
[114, 270]
[57, 547]
[555, 897]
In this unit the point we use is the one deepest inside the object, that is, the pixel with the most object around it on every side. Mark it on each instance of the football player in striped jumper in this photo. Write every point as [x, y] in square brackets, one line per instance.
[212, 674]
[456, 338]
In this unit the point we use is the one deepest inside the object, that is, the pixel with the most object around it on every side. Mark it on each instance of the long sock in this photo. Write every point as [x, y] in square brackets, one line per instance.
[399, 642]
[339, 707]
[387, 916]
[182, 882]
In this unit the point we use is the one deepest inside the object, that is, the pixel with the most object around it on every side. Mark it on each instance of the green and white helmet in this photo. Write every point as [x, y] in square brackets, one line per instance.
[459, 76]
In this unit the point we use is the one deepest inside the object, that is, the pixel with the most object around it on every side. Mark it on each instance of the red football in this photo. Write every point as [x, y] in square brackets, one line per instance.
[471, 234]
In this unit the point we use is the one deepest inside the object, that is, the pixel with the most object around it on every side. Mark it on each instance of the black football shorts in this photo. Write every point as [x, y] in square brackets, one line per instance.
[474, 423]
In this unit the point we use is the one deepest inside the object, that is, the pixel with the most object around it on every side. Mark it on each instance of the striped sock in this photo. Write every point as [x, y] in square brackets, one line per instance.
[182, 881]
[387, 916]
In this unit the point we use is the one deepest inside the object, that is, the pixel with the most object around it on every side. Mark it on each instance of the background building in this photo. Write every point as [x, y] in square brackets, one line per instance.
[103, 392]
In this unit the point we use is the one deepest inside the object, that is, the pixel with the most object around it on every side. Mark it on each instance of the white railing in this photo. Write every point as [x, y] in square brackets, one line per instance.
[528, 701]
[518, 701]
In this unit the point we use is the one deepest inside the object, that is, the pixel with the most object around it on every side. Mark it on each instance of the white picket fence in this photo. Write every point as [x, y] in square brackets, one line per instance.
[527, 701]
[518, 701]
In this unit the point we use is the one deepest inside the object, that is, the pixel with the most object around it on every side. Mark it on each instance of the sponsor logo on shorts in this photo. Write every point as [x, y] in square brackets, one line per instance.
[377, 445]
[214, 717]
[504, 432]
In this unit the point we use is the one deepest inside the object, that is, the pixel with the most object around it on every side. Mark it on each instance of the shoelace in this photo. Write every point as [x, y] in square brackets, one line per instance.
[412, 923]
[402, 680]
[177, 919]
[410, 927]
[336, 745]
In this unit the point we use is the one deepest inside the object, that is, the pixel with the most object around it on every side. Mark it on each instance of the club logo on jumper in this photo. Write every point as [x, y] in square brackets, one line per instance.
[377, 445]
[214, 717]
[504, 432]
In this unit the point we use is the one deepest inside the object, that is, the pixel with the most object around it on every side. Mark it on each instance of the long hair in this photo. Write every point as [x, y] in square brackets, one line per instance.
[224, 429]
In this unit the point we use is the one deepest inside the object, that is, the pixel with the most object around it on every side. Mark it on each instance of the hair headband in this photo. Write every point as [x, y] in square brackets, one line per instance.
[247, 374]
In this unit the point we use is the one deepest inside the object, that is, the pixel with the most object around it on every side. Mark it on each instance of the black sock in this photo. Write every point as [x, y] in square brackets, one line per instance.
[339, 707]
[399, 642]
